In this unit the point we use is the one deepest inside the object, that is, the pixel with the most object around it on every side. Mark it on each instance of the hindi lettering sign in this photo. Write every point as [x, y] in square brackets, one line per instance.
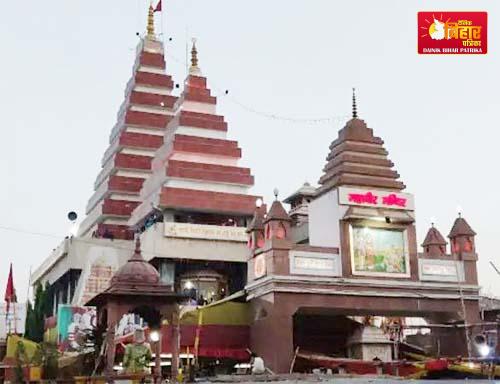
[376, 198]
[452, 33]
[440, 270]
[207, 232]
[314, 263]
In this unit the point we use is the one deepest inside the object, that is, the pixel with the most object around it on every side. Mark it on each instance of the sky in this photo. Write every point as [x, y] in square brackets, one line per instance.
[65, 65]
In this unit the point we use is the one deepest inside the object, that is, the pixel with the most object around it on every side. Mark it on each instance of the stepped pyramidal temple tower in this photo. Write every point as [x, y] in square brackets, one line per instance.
[357, 157]
[138, 133]
[170, 175]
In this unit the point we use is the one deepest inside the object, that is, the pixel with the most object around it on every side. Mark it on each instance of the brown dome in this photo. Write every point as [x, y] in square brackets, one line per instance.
[136, 270]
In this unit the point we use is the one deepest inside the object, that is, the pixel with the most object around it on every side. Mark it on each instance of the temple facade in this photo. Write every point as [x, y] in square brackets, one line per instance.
[315, 277]
[357, 258]
[171, 175]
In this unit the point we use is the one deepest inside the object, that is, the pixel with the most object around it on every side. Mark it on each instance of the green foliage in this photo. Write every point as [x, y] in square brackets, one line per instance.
[21, 360]
[36, 313]
[46, 356]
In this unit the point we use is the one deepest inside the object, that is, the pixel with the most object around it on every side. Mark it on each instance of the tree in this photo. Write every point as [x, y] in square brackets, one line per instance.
[36, 314]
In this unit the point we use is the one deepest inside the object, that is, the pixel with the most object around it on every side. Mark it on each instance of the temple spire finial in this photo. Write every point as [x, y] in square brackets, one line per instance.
[354, 107]
[194, 69]
[151, 23]
[137, 251]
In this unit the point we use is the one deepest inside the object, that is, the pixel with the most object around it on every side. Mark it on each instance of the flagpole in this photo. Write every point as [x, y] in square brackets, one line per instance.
[14, 317]
[28, 296]
[9, 295]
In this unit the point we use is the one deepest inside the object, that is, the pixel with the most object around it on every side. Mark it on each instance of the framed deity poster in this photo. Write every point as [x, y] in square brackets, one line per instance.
[379, 252]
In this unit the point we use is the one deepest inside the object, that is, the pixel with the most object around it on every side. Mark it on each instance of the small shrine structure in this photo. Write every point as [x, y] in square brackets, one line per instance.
[136, 288]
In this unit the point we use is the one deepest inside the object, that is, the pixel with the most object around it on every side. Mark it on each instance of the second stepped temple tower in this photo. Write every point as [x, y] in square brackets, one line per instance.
[195, 206]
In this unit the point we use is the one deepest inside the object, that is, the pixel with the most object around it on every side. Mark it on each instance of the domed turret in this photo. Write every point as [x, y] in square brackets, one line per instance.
[434, 243]
[136, 270]
[462, 236]
[277, 221]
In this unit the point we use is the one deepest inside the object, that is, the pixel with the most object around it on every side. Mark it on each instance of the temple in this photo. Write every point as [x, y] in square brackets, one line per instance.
[171, 175]
[338, 274]
[356, 264]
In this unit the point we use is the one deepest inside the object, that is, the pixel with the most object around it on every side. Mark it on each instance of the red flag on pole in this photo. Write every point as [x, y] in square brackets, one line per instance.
[158, 7]
[10, 291]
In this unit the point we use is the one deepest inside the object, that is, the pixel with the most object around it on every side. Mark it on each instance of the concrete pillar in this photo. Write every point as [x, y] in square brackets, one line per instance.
[283, 343]
[272, 339]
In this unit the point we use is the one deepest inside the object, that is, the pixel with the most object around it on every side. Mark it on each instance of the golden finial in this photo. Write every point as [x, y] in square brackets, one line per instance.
[194, 69]
[151, 23]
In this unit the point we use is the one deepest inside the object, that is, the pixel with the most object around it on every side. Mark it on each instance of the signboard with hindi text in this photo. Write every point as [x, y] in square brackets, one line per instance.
[440, 270]
[208, 232]
[315, 263]
[376, 198]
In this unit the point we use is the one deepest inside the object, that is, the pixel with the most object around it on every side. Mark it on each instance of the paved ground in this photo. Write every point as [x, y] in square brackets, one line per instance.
[376, 381]
[333, 380]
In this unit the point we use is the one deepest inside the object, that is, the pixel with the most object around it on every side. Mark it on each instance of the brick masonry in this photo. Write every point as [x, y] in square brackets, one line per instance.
[213, 172]
[207, 200]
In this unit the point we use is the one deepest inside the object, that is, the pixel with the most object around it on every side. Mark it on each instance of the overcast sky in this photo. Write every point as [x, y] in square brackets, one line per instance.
[65, 65]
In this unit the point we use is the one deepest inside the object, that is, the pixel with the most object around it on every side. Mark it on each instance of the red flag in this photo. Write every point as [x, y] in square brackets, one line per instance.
[158, 7]
[10, 291]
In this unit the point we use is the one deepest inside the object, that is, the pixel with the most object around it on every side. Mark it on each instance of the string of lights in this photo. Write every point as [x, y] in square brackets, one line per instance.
[272, 116]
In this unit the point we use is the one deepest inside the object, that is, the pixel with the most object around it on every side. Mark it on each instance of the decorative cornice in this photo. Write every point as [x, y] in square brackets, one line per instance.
[368, 293]
[343, 282]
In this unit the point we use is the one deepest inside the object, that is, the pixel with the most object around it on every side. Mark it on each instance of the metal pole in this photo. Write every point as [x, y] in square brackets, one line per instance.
[495, 267]
[27, 297]
[158, 358]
